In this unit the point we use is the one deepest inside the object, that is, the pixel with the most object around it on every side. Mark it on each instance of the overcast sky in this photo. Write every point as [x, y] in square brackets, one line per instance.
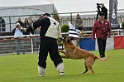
[82, 5]
[64, 6]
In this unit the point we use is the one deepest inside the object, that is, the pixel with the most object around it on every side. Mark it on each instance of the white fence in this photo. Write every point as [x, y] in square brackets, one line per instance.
[8, 44]
[31, 42]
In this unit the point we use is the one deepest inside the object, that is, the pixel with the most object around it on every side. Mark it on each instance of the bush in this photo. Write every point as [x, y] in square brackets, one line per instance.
[64, 28]
[122, 25]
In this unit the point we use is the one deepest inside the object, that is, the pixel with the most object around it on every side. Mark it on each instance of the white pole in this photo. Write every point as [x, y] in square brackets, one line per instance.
[31, 45]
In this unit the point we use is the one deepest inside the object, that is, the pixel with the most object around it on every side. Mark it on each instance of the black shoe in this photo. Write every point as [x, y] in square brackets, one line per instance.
[23, 53]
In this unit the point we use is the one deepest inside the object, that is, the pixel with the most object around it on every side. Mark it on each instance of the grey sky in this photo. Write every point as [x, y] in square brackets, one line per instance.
[82, 5]
[63, 6]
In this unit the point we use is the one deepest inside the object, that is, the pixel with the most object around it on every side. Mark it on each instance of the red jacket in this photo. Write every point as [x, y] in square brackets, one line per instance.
[102, 30]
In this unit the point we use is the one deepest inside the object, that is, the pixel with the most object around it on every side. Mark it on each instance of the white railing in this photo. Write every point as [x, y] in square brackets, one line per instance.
[115, 32]
[5, 37]
[35, 35]
[32, 41]
[8, 42]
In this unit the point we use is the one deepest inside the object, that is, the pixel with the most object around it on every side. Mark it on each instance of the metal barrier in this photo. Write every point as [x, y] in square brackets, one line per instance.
[8, 44]
[31, 42]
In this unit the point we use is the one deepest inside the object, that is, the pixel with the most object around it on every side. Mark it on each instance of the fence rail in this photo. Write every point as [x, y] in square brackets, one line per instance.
[8, 44]
[31, 42]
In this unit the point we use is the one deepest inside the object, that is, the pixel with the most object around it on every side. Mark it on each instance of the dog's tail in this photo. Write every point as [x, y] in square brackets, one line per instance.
[102, 59]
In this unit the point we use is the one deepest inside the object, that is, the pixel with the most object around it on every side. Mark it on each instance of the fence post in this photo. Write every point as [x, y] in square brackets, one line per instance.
[71, 18]
[10, 23]
[32, 46]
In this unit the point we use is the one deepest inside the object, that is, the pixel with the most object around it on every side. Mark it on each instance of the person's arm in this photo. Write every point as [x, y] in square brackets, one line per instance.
[109, 30]
[94, 31]
[105, 10]
[81, 24]
[76, 23]
[59, 32]
[22, 31]
[13, 31]
[35, 24]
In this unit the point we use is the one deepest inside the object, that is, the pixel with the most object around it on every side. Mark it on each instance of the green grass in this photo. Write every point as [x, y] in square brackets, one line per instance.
[23, 68]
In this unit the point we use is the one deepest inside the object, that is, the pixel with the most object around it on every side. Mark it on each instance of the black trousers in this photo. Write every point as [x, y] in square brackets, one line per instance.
[48, 45]
[101, 46]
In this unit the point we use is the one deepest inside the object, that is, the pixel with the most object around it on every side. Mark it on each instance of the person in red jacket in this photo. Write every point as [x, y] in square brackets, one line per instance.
[102, 30]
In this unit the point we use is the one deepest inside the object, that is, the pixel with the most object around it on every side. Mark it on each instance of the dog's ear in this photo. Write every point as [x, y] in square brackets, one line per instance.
[63, 38]
[68, 40]
[71, 38]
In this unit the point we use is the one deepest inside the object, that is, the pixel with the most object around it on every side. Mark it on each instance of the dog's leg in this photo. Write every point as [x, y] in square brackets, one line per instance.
[86, 69]
[65, 57]
[62, 51]
[91, 69]
[89, 63]
[65, 54]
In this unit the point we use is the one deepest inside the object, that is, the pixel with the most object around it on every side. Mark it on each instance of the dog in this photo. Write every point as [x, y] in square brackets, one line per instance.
[73, 52]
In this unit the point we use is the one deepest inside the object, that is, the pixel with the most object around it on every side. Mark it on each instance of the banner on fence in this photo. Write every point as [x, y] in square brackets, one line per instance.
[113, 13]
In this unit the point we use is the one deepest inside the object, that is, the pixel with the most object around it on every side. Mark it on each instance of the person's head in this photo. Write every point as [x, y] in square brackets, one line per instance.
[102, 5]
[26, 20]
[101, 15]
[78, 16]
[18, 25]
[19, 19]
[46, 15]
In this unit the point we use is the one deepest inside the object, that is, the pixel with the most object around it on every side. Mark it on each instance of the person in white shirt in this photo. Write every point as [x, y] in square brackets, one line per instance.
[18, 34]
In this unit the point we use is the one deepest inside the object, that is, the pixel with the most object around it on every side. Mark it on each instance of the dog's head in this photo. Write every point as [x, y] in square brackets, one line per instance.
[67, 40]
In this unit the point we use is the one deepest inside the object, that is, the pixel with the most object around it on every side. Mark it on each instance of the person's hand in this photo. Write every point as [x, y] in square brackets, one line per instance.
[109, 36]
[93, 38]
[38, 29]
[97, 10]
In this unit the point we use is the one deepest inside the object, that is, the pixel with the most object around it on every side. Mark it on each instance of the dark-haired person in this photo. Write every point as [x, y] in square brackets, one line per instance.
[102, 30]
[104, 9]
[49, 33]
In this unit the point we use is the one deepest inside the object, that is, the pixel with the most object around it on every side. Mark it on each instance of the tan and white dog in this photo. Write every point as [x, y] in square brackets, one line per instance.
[73, 52]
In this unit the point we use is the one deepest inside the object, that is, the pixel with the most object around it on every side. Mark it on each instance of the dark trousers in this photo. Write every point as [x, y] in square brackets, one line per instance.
[48, 44]
[101, 47]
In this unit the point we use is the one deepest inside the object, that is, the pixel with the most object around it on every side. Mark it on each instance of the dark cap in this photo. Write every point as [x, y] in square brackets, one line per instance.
[101, 14]
[46, 14]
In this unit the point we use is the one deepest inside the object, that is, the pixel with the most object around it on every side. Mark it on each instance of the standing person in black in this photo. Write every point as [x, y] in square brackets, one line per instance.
[104, 9]
[101, 8]
[49, 33]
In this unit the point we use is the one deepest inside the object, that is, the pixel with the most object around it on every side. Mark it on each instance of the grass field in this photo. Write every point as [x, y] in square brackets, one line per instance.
[23, 68]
